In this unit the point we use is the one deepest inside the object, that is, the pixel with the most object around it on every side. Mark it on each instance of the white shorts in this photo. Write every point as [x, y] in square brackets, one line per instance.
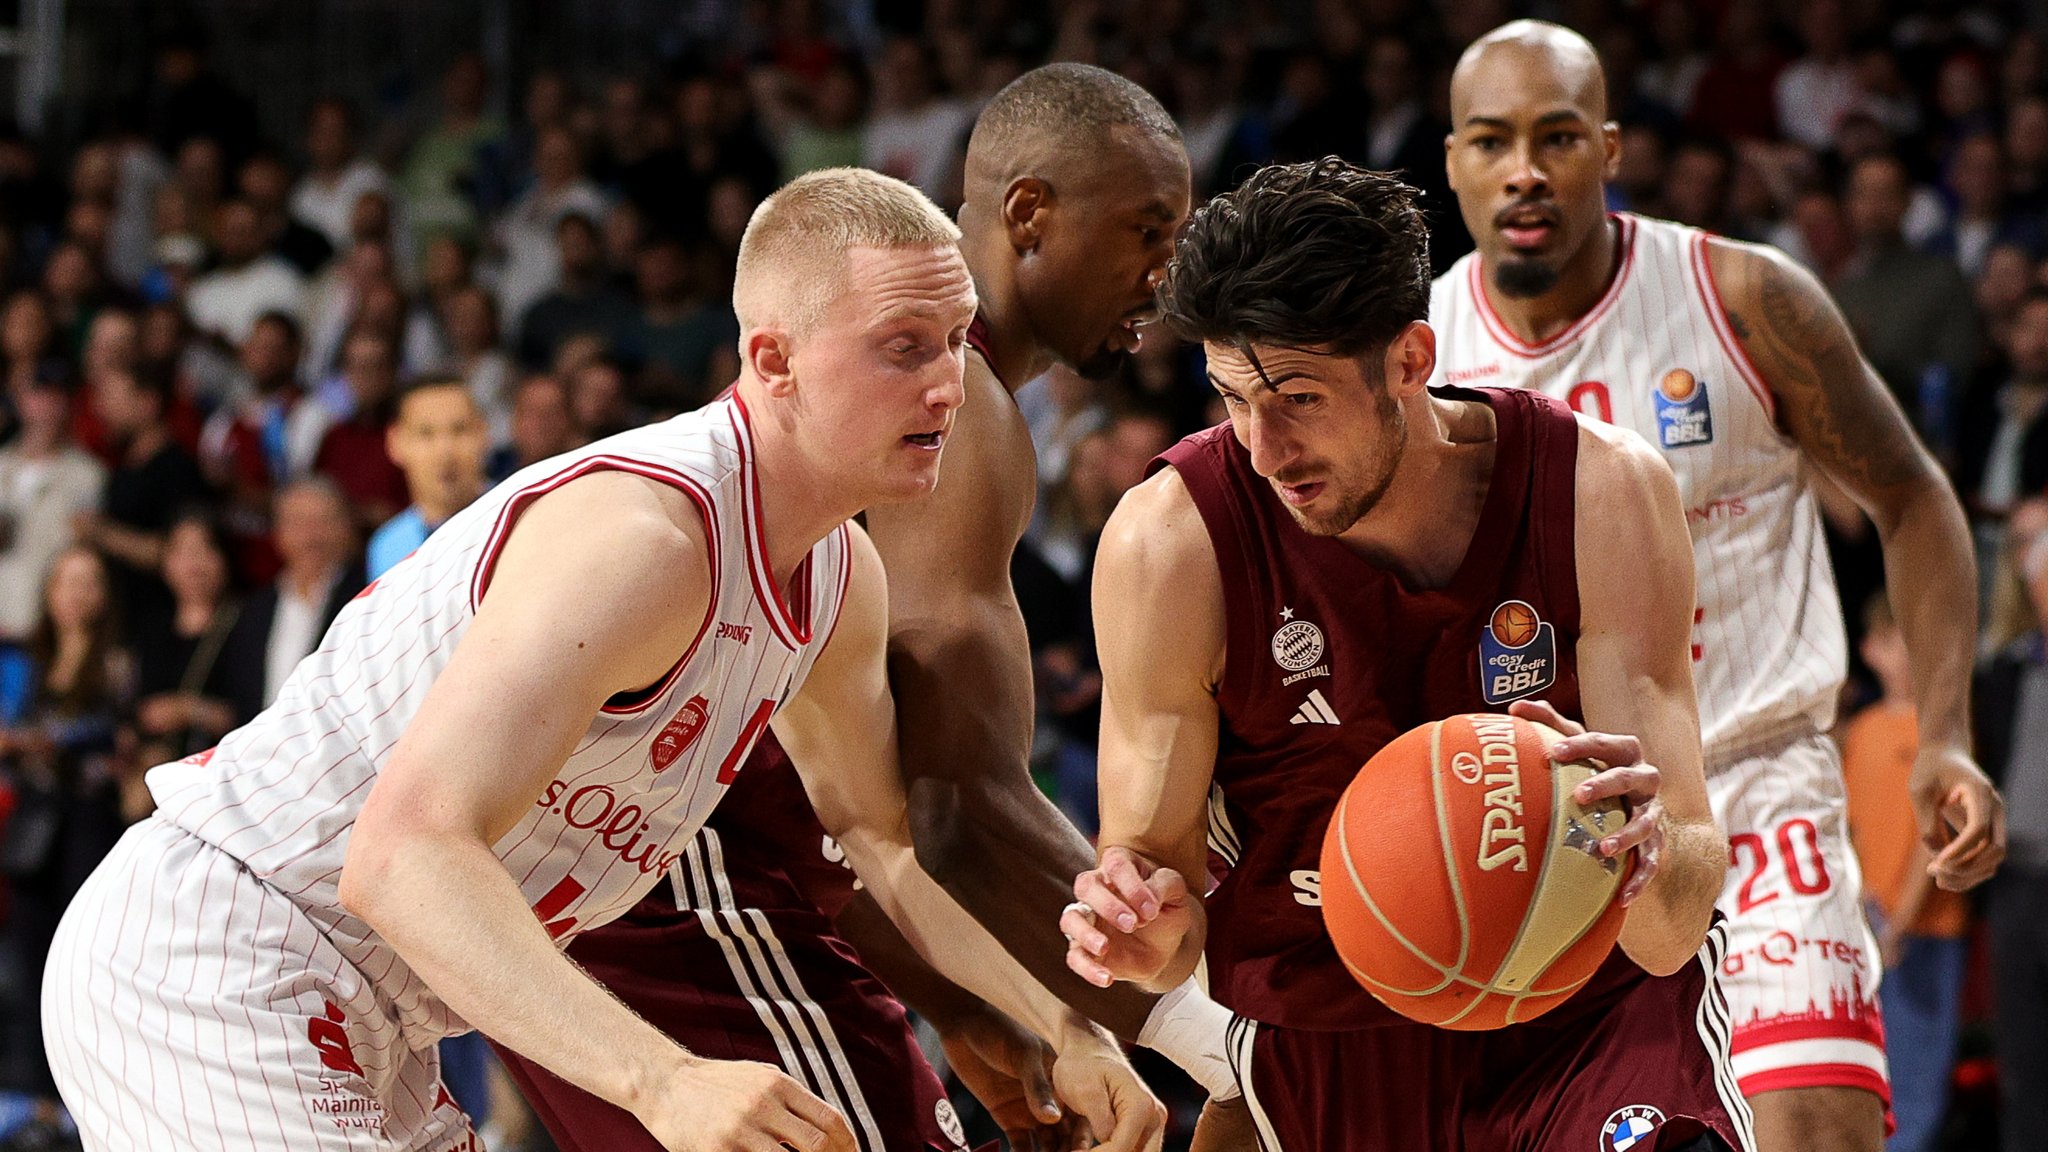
[1802, 969]
[187, 1006]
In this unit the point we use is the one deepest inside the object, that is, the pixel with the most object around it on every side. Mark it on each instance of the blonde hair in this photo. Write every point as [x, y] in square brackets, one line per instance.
[792, 258]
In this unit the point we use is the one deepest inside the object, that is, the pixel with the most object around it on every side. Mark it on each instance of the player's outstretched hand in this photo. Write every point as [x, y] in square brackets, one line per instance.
[742, 1106]
[1635, 782]
[1961, 816]
[1127, 921]
[1095, 1081]
[1010, 1071]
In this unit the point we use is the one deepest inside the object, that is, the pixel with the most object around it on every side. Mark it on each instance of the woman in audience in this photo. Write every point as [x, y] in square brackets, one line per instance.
[181, 703]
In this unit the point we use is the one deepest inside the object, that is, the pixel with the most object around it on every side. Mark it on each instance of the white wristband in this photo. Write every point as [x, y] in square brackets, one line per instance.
[1189, 1029]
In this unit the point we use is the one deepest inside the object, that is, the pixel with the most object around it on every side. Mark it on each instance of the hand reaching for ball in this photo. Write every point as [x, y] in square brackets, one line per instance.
[1626, 776]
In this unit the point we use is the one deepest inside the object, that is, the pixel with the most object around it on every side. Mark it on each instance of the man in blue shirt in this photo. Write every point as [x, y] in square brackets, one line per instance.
[438, 440]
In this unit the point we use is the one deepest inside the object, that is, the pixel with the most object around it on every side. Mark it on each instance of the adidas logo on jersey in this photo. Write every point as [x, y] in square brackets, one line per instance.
[1315, 710]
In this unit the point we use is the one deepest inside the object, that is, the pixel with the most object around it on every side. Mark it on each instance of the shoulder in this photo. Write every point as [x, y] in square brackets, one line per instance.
[1155, 533]
[1612, 456]
[1743, 272]
[634, 533]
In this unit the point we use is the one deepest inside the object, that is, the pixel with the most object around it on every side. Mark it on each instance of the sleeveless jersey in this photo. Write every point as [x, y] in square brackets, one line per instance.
[1657, 355]
[282, 793]
[1328, 658]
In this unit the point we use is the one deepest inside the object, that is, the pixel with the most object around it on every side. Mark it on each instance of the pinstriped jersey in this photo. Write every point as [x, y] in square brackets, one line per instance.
[1657, 355]
[282, 793]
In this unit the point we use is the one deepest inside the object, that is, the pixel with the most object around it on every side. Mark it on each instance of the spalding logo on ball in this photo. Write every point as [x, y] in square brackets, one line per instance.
[1461, 882]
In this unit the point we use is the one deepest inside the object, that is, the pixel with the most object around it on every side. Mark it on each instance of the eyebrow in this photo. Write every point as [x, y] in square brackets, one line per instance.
[1558, 116]
[1263, 383]
[1157, 210]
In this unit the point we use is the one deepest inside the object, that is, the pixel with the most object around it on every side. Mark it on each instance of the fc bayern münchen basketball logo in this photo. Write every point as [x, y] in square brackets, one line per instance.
[1629, 1128]
[1297, 645]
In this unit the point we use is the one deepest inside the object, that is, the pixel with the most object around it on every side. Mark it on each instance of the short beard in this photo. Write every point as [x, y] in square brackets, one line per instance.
[1524, 279]
[1394, 439]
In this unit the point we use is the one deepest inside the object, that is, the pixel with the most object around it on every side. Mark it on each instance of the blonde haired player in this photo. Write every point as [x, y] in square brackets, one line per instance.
[1734, 363]
[505, 740]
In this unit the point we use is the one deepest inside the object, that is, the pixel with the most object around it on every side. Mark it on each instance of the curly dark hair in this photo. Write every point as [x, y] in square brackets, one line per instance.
[1320, 254]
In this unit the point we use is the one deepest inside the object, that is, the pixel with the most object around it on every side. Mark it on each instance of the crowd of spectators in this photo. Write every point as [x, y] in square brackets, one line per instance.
[232, 364]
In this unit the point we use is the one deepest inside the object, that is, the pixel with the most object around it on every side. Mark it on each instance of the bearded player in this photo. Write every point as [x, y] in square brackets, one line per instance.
[503, 742]
[1731, 360]
[1076, 181]
[1291, 591]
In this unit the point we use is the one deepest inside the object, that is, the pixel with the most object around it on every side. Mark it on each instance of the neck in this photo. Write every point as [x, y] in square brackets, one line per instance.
[306, 583]
[37, 443]
[1586, 277]
[1423, 524]
[800, 504]
[437, 507]
[1018, 354]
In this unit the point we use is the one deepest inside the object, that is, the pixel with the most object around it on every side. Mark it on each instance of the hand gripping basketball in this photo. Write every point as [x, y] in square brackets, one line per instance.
[1627, 777]
[1128, 920]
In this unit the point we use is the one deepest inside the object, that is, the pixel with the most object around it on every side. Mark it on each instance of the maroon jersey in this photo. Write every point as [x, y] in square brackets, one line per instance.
[1330, 657]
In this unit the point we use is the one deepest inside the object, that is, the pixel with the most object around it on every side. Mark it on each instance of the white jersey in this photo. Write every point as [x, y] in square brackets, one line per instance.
[1657, 355]
[282, 793]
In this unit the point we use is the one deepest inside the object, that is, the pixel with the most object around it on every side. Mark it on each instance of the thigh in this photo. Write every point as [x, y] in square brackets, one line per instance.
[1801, 975]
[188, 1006]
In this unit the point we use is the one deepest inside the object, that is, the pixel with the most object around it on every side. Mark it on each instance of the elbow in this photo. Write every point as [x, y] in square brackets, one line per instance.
[367, 874]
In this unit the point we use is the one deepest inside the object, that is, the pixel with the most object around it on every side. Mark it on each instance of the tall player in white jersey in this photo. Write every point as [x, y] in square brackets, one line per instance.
[1733, 361]
[504, 742]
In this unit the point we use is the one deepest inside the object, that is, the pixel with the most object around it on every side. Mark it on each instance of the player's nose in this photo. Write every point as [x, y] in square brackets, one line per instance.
[1526, 176]
[1270, 447]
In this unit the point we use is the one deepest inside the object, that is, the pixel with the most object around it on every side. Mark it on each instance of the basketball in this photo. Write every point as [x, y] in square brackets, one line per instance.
[1514, 624]
[1461, 885]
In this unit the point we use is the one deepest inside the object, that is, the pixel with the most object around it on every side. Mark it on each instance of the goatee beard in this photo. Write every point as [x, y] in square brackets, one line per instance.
[1524, 279]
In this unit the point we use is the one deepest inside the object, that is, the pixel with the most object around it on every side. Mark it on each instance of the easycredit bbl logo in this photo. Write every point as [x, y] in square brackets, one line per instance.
[1517, 654]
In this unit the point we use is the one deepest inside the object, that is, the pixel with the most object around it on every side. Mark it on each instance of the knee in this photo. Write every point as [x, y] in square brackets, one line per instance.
[1818, 1120]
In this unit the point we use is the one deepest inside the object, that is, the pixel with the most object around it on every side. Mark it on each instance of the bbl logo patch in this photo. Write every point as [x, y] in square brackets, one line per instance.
[1683, 420]
[1517, 654]
[1297, 645]
[1629, 1127]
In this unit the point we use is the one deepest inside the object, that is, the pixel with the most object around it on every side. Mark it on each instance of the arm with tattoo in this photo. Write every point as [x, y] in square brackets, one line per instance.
[1834, 405]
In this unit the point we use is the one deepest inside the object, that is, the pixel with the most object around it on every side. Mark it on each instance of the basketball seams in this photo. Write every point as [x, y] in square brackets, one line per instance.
[1358, 885]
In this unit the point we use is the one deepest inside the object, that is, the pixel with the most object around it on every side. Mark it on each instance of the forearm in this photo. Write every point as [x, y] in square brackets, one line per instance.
[1667, 924]
[983, 830]
[865, 925]
[950, 940]
[1931, 571]
[446, 902]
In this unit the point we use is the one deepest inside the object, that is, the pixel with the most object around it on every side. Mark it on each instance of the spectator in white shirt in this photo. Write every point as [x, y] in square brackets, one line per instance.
[336, 177]
[45, 481]
[1818, 89]
[248, 282]
[527, 233]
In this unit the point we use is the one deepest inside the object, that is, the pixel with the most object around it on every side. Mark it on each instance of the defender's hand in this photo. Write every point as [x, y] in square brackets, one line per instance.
[1094, 1080]
[1635, 782]
[742, 1106]
[1128, 919]
[1961, 816]
[1010, 1071]
[1225, 1126]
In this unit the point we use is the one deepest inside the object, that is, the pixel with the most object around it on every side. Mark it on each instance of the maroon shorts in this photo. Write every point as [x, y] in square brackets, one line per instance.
[748, 984]
[1647, 1073]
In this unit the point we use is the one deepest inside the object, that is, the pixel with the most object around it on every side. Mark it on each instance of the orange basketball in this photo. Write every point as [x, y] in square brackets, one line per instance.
[1514, 623]
[1460, 882]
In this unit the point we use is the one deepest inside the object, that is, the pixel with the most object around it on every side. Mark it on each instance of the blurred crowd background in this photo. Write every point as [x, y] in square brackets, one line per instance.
[284, 284]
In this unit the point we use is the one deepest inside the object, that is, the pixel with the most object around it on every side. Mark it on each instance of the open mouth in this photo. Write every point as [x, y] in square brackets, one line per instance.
[1526, 225]
[1299, 494]
[930, 441]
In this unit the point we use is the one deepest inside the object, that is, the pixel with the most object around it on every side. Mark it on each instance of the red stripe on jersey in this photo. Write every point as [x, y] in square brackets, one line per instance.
[1717, 315]
[1817, 1076]
[502, 531]
[1505, 336]
[793, 633]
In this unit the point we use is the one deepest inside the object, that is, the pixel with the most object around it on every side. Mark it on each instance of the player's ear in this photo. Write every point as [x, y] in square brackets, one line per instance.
[1024, 205]
[1411, 357]
[1610, 144]
[767, 354]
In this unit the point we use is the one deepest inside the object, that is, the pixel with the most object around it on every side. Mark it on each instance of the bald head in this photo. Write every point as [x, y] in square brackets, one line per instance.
[1529, 59]
[1059, 121]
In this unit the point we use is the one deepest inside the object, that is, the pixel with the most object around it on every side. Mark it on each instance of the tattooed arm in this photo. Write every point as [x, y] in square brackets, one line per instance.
[1843, 417]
